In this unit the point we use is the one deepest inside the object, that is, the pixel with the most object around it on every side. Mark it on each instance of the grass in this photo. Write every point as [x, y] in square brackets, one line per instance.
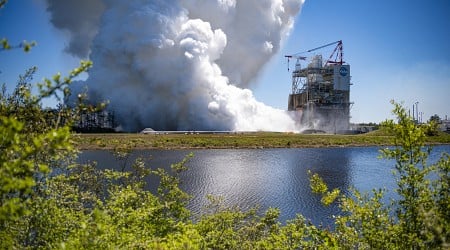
[241, 140]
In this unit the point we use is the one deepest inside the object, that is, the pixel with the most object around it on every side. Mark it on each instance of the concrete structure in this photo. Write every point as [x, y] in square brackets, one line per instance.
[321, 92]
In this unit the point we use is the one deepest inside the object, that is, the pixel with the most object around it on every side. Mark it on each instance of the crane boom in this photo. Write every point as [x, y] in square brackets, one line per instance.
[339, 54]
[323, 46]
[337, 60]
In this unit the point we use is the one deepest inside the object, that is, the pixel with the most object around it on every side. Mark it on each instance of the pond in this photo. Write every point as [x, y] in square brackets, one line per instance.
[269, 177]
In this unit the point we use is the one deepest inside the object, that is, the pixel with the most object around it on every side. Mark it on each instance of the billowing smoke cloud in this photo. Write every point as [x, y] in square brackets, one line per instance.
[182, 65]
[80, 18]
[254, 30]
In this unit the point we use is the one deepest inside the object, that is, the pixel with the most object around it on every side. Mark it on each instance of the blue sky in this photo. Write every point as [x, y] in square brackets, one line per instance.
[397, 50]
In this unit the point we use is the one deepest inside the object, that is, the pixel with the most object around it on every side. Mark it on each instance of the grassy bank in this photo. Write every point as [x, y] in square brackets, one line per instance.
[241, 140]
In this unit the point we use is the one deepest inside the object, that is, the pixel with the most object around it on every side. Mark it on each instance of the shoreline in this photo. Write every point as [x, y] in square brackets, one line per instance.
[258, 140]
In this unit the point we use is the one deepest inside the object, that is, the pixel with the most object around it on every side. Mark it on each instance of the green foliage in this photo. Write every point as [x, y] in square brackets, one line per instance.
[366, 223]
[435, 118]
[231, 228]
[29, 144]
[318, 186]
[316, 183]
[5, 45]
[431, 128]
[25, 107]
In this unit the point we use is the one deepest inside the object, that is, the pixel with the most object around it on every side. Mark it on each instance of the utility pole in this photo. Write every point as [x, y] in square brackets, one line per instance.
[417, 111]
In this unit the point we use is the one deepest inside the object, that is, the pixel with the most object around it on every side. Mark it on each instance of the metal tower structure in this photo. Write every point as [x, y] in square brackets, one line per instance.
[321, 90]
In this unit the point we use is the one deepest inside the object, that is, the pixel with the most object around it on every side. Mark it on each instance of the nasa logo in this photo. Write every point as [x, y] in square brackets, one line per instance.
[343, 71]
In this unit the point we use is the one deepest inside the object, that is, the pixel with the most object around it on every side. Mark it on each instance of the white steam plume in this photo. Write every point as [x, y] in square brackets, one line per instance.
[80, 18]
[181, 65]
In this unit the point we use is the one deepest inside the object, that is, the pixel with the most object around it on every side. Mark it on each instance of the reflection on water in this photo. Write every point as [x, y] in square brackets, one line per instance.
[269, 177]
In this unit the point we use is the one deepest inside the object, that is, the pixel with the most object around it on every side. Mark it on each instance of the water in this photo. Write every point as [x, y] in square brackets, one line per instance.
[270, 177]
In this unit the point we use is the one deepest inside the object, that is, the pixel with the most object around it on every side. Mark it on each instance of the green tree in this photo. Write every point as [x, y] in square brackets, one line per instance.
[435, 118]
